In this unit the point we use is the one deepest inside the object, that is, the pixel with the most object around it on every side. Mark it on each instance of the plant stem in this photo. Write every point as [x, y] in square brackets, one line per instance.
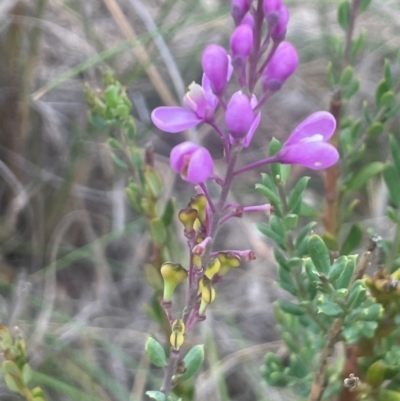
[169, 371]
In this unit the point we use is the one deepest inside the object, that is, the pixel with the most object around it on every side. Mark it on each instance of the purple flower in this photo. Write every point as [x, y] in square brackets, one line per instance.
[239, 115]
[240, 118]
[193, 162]
[248, 19]
[281, 66]
[216, 63]
[241, 42]
[278, 32]
[200, 102]
[238, 10]
[272, 10]
[307, 144]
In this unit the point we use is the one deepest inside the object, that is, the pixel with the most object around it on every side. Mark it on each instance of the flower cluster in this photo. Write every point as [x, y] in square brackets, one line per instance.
[259, 60]
[258, 55]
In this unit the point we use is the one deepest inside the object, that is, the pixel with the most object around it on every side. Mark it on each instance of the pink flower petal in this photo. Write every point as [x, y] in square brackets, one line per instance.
[180, 155]
[247, 139]
[315, 155]
[320, 126]
[174, 119]
[200, 166]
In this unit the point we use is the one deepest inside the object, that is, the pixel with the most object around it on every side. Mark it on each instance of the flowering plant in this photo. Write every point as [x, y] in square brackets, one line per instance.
[319, 271]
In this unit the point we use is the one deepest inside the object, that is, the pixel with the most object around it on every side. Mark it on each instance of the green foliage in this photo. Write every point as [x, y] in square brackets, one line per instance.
[155, 352]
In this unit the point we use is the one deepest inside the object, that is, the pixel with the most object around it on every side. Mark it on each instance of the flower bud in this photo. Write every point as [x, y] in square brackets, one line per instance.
[192, 161]
[248, 19]
[212, 268]
[238, 10]
[177, 334]
[281, 66]
[215, 63]
[272, 10]
[241, 42]
[239, 115]
[278, 32]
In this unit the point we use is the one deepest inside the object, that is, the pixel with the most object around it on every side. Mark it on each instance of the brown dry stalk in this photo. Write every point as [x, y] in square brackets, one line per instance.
[151, 70]
[330, 218]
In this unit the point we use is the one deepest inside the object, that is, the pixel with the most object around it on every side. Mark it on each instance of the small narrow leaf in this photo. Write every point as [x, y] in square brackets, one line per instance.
[352, 240]
[346, 76]
[319, 254]
[344, 12]
[392, 180]
[155, 352]
[193, 361]
[297, 192]
[156, 395]
[365, 174]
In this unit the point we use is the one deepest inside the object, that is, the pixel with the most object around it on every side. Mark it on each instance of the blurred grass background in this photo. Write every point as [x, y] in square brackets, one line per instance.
[71, 249]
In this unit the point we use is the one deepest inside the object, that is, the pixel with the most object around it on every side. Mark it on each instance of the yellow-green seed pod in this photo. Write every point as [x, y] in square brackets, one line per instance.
[173, 274]
[206, 290]
[213, 268]
[199, 202]
[196, 260]
[188, 217]
[228, 260]
[177, 334]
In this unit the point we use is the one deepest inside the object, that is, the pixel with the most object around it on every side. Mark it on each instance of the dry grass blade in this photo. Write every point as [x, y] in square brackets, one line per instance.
[141, 53]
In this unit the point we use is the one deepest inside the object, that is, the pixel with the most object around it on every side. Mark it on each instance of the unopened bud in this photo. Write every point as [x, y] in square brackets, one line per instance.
[177, 334]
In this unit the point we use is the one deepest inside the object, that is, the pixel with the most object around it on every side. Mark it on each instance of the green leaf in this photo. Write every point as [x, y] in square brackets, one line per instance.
[111, 96]
[297, 192]
[395, 150]
[155, 352]
[381, 88]
[306, 230]
[119, 162]
[392, 180]
[319, 254]
[365, 174]
[344, 279]
[352, 88]
[26, 373]
[352, 240]
[344, 12]
[356, 295]
[286, 280]
[10, 367]
[153, 277]
[331, 74]
[277, 379]
[388, 100]
[282, 261]
[346, 76]
[13, 383]
[156, 395]
[364, 4]
[375, 129]
[157, 231]
[290, 221]
[274, 147]
[387, 73]
[114, 143]
[357, 43]
[153, 181]
[311, 272]
[290, 307]
[373, 312]
[268, 193]
[297, 366]
[277, 226]
[393, 215]
[367, 116]
[328, 307]
[264, 229]
[193, 361]
[168, 213]
[337, 269]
